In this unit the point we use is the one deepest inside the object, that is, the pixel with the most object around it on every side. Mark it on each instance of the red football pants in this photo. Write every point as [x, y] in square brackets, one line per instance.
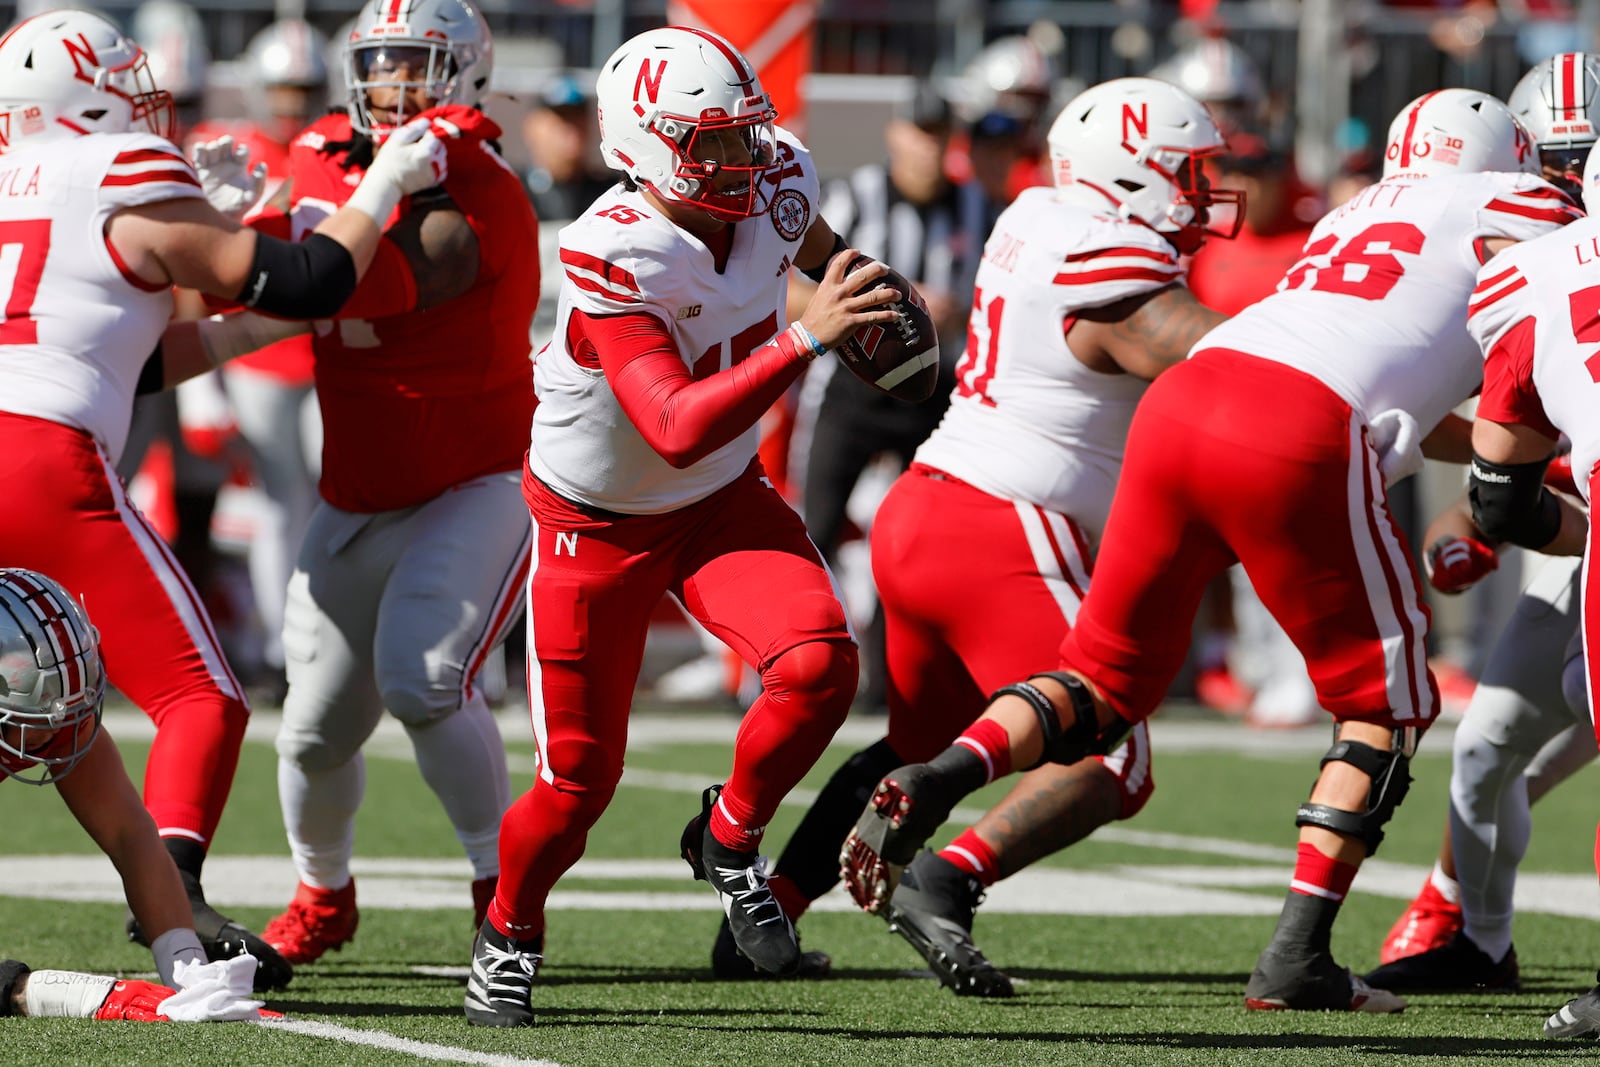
[1230, 458]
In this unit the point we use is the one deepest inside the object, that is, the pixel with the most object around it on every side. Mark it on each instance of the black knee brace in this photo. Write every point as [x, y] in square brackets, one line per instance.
[1391, 777]
[1071, 743]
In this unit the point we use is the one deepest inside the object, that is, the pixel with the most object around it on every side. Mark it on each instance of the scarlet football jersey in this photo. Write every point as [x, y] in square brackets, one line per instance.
[79, 325]
[623, 256]
[1030, 421]
[1389, 274]
[417, 402]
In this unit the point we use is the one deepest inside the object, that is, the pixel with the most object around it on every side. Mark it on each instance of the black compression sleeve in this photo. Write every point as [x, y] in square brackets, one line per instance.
[309, 279]
[11, 972]
[1510, 503]
[816, 273]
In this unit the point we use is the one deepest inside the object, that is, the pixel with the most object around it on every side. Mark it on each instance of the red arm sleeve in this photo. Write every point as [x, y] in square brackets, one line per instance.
[682, 419]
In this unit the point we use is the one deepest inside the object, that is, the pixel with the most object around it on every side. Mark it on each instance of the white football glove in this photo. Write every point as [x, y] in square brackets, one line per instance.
[231, 184]
[1398, 441]
[412, 159]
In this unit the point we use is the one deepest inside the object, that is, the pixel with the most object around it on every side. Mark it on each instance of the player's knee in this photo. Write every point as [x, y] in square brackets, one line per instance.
[313, 752]
[1388, 773]
[418, 704]
[821, 674]
[584, 769]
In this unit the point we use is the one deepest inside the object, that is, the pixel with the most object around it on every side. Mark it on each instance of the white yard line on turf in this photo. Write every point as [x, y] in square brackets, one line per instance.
[388, 1042]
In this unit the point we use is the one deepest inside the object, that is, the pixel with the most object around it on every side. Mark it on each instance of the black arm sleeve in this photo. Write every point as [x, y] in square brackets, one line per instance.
[816, 273]
[309, 279]
[11, 972]
[154, 374]
[1510, 503]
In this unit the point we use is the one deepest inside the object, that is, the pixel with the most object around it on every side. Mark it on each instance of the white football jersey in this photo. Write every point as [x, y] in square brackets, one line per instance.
[1536, 316]
[1028, 420]
[1376, 306]
[78, 327]
[622, 256]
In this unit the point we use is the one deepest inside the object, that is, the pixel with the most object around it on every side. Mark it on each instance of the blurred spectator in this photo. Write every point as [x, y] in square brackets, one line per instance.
[565, 175]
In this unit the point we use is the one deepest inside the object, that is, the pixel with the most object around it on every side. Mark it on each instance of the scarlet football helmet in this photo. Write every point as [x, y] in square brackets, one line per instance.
[1137, 145]
[682, 112]
[68, 73]
[442, 46]
[1559, 103]
[51, 680]
[1457, 131]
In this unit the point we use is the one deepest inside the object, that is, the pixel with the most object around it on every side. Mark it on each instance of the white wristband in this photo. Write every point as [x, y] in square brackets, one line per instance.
[65, 994]
[808, 340]
[179, 945]
[375, 198]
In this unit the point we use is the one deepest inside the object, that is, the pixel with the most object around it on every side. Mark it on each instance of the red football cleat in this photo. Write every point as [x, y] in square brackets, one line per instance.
[317, 920]
[1429, 923]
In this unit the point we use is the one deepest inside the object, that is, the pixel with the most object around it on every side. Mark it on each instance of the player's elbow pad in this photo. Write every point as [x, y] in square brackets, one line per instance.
[308, 279]
[1510, 503]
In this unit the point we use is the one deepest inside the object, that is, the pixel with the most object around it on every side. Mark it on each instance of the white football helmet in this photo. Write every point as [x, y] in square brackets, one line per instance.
[443, 47]
[173, 36]
[1457, 131]
[1138, 144]
[669, 98]
[1559, 103]
[1010, 74]
[69, 73]
[51, 679]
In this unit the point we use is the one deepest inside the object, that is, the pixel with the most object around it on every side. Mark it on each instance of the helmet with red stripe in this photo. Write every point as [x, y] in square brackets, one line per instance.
[405, 56]
[51, 681]
[288, 77]
[683, 112]
[1559, 102]
[69, 73]
[1457, 131]
[1136, 145]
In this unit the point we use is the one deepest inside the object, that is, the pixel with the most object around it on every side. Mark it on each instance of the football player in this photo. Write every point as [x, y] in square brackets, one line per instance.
[1533, 315]
[1271, 446]
[103, 216]
[642, 479]
[412, 568]
[1527, 726]
[1080, 302]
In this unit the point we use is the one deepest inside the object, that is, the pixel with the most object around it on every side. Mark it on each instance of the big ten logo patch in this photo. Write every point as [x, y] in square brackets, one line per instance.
[791, 214]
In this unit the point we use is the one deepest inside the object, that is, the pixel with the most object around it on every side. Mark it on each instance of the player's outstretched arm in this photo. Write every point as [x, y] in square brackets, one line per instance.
[107, 806]
[1144, 334]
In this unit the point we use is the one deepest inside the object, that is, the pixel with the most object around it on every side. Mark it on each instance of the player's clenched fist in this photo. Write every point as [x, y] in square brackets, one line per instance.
[1457, 563]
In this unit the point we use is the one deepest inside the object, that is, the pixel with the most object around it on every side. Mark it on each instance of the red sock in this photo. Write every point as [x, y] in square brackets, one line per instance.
[990, 742]
[972, 854]
[788, 895]
[1319, 875]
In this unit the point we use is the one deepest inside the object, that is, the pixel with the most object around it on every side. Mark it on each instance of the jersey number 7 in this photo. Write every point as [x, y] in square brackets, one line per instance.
[23, 247]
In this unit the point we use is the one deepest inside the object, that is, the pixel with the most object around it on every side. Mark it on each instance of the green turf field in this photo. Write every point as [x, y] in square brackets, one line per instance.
[1115, 966]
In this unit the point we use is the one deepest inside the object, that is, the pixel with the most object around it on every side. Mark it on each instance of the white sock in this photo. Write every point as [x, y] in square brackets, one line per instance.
[463, 760]
[1446, 886]
[319, 818]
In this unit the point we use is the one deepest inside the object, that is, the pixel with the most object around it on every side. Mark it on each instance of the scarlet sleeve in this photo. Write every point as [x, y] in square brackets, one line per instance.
[684, 420]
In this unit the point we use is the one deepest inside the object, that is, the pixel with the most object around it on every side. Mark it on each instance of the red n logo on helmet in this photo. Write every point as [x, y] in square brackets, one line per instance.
[650, 83]
[1137, 120]
[83, 57]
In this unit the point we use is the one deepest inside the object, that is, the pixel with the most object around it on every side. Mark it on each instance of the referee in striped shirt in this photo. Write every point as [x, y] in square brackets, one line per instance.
[907, 213]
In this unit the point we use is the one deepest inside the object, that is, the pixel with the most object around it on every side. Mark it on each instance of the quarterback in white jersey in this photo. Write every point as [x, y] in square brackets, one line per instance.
[1079, 302]
[1270, 447]
[642, 480]
[100, 216]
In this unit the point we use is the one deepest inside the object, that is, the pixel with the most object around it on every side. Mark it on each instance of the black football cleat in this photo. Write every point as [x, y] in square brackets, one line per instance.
[763, 933]
[730, 965]
[1313, 983]
[1578, 1020]
[1455, 967]
[933, 908]
[500, 987]
[907, 807]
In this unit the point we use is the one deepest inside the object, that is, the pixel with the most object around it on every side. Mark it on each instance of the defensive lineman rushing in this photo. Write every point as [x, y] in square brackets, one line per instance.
[1080, 302]
[669, 344]
[412, 568]
[1271, 446]
[107, 216]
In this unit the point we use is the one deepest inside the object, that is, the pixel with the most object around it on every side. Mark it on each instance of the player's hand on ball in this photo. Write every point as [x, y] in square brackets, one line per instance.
[845, 300]
[1454, 564]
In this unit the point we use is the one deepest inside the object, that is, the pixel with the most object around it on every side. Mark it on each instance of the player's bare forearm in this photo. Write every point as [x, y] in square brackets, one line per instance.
[1450, 441]
[1049, 808]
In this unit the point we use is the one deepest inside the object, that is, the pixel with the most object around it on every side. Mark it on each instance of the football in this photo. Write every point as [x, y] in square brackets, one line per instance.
[901, 357]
